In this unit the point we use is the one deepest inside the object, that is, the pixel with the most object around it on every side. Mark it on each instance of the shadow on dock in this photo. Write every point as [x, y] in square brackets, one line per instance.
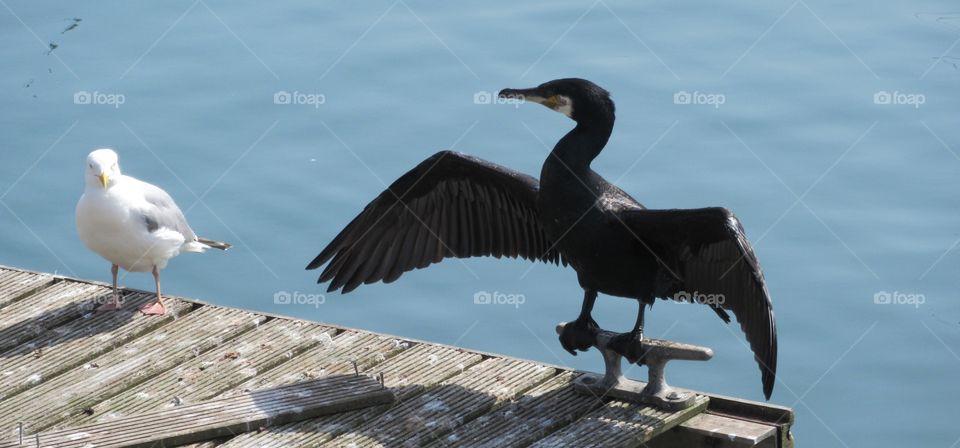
[37, 343]
[69, 322]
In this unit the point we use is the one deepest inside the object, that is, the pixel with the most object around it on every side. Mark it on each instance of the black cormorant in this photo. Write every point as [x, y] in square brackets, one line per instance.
[455, 205]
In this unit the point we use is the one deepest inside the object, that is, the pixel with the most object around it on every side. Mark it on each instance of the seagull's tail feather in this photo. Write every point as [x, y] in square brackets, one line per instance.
[214, 244]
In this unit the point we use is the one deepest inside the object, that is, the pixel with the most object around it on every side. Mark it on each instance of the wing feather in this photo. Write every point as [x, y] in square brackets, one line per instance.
[710, 253]
[450, 205]
[161, 211]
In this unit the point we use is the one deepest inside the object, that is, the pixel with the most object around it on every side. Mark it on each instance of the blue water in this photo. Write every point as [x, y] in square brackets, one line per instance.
[843, 198]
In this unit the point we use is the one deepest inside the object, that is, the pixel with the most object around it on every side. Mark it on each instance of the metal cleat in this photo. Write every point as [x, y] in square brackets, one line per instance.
[655, 391]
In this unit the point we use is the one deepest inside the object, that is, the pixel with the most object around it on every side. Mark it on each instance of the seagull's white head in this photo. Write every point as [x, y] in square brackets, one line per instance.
[103, 168]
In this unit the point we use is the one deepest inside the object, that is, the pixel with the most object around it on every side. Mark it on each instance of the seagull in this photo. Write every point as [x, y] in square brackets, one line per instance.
[133, 224]
[453, 205]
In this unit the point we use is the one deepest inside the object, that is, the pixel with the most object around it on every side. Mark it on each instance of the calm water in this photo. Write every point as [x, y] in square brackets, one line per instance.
[844, 198]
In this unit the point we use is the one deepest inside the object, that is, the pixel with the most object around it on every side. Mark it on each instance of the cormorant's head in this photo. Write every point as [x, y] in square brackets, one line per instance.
[579, 99]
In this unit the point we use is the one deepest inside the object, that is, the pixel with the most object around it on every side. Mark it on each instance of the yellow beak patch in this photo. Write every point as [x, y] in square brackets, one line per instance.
[104, 180]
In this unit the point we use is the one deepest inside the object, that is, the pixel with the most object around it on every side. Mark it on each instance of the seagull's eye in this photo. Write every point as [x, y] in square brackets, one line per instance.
[91, 166]
[114, 167]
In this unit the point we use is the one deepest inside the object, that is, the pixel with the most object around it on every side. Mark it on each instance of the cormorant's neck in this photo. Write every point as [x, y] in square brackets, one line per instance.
[582, 144]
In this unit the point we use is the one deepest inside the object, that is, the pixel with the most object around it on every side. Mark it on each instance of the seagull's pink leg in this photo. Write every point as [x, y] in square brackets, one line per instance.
[157, 308]
[115, 304]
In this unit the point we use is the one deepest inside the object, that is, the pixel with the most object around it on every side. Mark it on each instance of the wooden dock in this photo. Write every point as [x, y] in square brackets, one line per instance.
[63, 366]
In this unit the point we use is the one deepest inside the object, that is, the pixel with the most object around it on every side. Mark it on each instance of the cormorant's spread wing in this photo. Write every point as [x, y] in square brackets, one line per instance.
[450, 205]
[703, 252]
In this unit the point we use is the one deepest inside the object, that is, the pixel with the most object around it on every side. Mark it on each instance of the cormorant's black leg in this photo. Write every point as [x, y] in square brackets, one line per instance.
[630, 345]
[581, 333]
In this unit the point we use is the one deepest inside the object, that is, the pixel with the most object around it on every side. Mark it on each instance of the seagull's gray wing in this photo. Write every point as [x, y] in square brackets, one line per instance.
[163, 212]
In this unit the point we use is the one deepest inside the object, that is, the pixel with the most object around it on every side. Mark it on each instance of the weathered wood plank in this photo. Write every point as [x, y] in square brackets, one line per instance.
[335, 355]
[16, 285]
[207, 444]
[112, 366]
[208, 375]
[535, 414]
[216, 418]
[718, 431]
[438, 411]
[407, 374]
[620, 424]
[330, 357]
[77, 341]
[738, 431]
[47, 308]
[73, 391]
[751, 410]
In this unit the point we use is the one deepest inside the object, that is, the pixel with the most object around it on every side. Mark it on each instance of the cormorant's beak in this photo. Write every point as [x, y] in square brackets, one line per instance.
[104, 179]
[534, 95]
[521, 94]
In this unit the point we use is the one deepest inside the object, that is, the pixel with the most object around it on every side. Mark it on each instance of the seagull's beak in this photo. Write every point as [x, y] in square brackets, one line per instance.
[104, 179]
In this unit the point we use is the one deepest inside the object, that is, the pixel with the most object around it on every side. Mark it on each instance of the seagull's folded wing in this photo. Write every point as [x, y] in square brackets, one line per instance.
[162, 212]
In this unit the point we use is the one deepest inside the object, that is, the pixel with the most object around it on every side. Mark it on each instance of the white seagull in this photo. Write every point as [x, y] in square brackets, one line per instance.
[133, 224]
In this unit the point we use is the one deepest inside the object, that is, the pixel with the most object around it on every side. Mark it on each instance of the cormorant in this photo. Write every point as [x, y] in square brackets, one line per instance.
[456, 205]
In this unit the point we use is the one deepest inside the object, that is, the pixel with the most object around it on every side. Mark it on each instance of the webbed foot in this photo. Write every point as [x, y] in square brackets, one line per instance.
[579, 335]
[629, 345]
[154, 309]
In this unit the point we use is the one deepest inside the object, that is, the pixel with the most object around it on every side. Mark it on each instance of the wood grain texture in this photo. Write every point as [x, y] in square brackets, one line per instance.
[63, 366]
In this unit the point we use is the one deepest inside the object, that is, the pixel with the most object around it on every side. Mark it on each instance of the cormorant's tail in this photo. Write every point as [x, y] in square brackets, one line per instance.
[214, 244]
